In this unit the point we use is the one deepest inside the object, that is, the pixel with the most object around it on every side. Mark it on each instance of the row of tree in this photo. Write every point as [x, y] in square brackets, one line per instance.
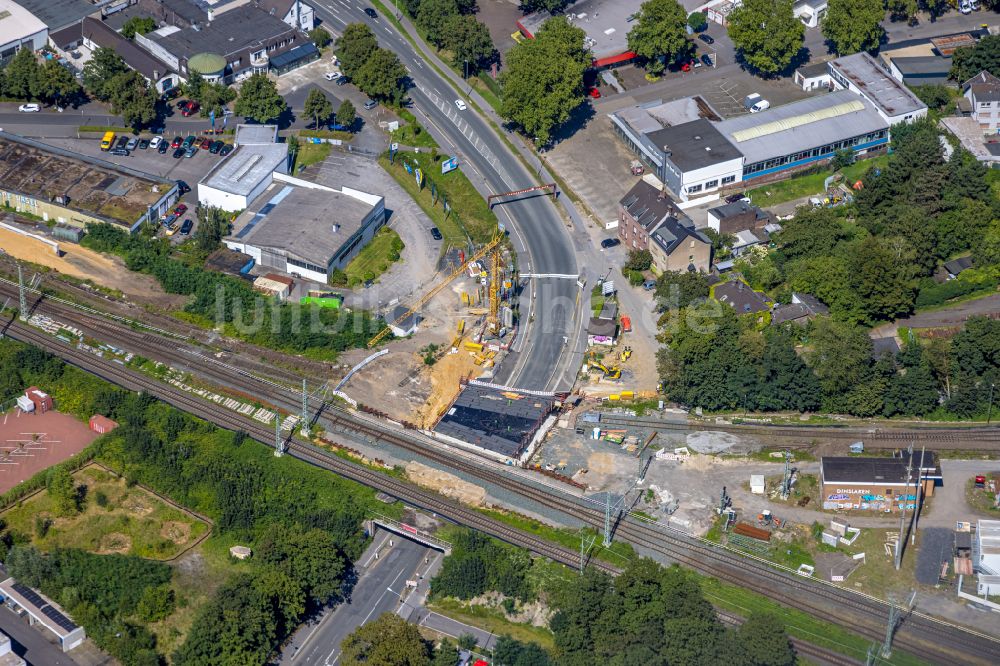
[374, 70]
[451, 25]
[479, 564]
[24, 78]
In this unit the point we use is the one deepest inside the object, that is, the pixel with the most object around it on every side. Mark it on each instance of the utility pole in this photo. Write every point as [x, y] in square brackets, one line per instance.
[989, 413]
[279, 445]
[22, 292]
[902, 510]
[786, 480]
[585, 546]
[304, 430]
[895, 615]
[607, 519]
[918, 495]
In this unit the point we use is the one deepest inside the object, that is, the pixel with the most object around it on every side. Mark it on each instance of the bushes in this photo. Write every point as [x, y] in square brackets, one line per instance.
[932, 293]
[478, 564]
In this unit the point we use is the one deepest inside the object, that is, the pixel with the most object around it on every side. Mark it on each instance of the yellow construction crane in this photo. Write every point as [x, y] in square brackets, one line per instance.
[493, 319]
[480, 253]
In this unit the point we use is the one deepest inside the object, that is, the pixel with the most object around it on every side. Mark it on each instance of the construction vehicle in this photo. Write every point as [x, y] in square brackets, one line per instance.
[625, 354]
[767, 518]
[611, 373]
[482, 252]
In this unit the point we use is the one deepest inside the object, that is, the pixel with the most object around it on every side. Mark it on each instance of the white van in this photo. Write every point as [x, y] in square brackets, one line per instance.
[965, 6]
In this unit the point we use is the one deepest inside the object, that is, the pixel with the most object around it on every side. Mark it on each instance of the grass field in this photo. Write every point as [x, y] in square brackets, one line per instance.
[470, 217]
[412, 134]
[310, 153]
[132, 520]
[493, 620]
[810, 184]
[375, 258]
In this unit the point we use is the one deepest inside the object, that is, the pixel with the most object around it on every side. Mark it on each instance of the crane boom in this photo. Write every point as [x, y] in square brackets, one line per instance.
[482, 252]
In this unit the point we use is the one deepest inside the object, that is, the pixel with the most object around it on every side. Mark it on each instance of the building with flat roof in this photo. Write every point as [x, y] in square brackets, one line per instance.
[928, 70]
[798, 134]
[606, 23]
[309, 232]
[58, 14]
[7, 655]
[813, 76]
[877, 484]
[239, 178]
[41, 611]
[810, 12]
[248, 135]
[861, 74]
[986, 556]
[243, 41]
[95, 33]
[19, 28]
[500, 423]
[65, 187]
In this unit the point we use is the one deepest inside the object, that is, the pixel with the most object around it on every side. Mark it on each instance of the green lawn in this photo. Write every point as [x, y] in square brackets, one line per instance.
[411, 133]
[375, 258]
[809, 184]
[470, 217]
[310, 153]
[492, 620]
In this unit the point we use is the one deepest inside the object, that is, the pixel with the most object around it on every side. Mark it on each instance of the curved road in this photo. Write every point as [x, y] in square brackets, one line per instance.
[551, 316]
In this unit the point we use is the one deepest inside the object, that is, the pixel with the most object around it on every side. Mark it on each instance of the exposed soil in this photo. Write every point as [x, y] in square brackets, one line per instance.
[137, 504]
[447, 484]
[114, 543]
[177, 532]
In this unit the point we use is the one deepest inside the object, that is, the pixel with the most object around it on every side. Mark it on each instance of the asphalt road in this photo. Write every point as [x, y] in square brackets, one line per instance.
[380, 581]
[550, 316]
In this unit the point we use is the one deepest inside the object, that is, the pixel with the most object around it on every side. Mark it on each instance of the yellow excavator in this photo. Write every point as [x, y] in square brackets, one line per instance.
[611, 373]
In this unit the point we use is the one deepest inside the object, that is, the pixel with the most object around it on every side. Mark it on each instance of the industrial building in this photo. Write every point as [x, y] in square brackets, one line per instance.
[501, 423]
[42, 612]
[62, 186]
[861, 74]
[986, 556]
[878, 484]
[605, 22]
[308, 231]
[236, 180]
[19, 29]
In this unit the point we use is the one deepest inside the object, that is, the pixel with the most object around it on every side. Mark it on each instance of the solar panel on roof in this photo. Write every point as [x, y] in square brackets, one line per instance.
[29, 594]
[58, 618]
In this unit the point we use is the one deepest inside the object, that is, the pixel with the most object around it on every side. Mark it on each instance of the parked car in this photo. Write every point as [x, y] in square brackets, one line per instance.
[594, 92]
[121, 152]
[176, 143]
[155, 142]
[162, 148]
[172, 228]
[143, 144]
[649, 285]
[122, 142]
[371, 13]
[205, 144]
[29, 108]
[370, 104]
[608, 243]
[186, 227]
[183, 187]
[216, 147]
[189, 141]
[707, 59]
[436, 233]
[686, 67]
[178, 153]
[461, 105]
[170, 219]
[132, 143]
[226, 149]
[191, 152]
[343, 81]
[189, 108]
[707, 38]
[332, 76]
[180, 209]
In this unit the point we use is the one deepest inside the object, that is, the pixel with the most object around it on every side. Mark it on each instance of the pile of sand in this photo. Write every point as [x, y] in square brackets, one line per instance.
[445, 376]
[447, 484]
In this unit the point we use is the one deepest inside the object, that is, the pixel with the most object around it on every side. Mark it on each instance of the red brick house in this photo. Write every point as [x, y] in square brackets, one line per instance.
[41, 400]
[102, 424]
[641, 211]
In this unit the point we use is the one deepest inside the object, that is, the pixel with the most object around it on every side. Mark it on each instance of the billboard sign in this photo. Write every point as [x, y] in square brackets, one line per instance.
[449, 164]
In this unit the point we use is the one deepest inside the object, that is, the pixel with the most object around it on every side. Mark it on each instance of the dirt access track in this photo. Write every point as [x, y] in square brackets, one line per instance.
[84, 264]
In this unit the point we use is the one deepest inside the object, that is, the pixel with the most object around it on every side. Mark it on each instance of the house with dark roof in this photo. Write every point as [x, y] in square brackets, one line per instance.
[983, 93]
[884, 347]
[878, 484]
[679, 247]
[641, 211]
[732, 218]
[957, 266]
[95, 33]
[923, 70]
[802, 308]
[742, 297]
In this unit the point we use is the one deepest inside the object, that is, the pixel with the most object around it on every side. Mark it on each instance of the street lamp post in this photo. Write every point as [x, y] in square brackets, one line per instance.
[989, 413]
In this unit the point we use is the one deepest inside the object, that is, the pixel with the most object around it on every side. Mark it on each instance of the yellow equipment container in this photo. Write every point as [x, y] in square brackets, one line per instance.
[473, 346]
[614, 397]
[628, 395]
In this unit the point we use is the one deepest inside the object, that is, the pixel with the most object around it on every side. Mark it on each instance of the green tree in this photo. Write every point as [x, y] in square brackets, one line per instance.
[766, 34]
[935, 97]
[318, 106]
[346, 114]
[854, 25]
[215, 97]
[354, 47]
[155, 604]
[467, 642]
[882, 277]
[987, 251]
[311, 558]
[21, 75]
[433, 17]
[511, 652]
[969, 61]
[388, 641]
[320, 37]
[763, 641]
[213, 224]
[679, 289]
[137, 25]
[469, 42]
[698, 21]
[446, 654]
[638, 260]
[381, 76]
[902, 10]
[103, 66]
[660, 34]
[259, 99]
[543, 81]
[131, 99]
[195, 83]
[55, 84]
[62, 490]
[547, 5]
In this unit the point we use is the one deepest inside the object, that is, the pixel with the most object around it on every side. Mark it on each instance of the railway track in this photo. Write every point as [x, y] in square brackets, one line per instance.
[922, 635]
[973, 438]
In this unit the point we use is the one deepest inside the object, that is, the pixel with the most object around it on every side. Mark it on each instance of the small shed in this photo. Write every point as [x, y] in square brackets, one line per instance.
[276, 285]
[757, 484]
[42, 400]
[399, 325]
[240, 552]
[102, 424]
[25, 404]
